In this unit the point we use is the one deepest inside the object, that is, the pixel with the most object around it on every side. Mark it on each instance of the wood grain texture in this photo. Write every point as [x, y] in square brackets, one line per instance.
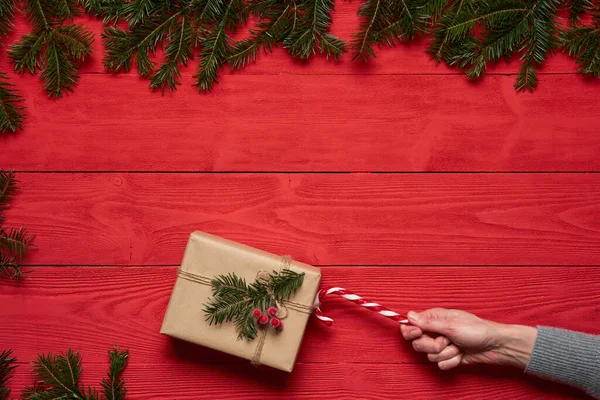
[321, 219]
[93, 308]
[186, 378]
[310, 123]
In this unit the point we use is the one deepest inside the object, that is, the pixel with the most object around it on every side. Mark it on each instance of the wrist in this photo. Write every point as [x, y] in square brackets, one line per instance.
[515, 344]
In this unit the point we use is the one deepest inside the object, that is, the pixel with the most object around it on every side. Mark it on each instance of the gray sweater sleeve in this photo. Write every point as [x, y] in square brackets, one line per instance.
[567, 357]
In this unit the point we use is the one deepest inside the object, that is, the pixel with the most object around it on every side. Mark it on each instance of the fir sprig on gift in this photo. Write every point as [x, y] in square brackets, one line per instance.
[234, 300]
[58, 377]
[14, 242]
[53, 47]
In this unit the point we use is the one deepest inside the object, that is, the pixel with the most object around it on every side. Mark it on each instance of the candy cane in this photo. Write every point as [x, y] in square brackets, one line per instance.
[356, 300]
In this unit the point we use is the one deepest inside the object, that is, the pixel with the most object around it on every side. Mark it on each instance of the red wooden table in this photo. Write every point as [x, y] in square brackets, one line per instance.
[400, 179]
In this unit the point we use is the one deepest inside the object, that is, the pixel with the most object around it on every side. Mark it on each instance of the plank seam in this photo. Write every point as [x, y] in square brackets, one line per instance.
[199, 172]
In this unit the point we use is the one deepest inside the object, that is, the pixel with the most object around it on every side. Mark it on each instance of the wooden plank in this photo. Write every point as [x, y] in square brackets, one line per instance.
[321, 219]
[311, 123]
[186, 378]
[402, 59]
[94, 308]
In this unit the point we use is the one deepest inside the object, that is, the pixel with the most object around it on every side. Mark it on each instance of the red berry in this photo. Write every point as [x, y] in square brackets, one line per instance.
[275, 322]
[257, 313]
[272, 311]
[263, 320]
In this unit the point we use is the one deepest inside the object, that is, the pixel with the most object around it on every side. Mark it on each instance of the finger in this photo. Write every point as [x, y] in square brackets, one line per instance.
[451, 363]
[433, 320]
[449, 352]
[410, 332]
[427, 344]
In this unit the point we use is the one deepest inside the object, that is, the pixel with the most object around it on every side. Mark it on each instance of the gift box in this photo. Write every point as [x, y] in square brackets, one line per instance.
[206, 257]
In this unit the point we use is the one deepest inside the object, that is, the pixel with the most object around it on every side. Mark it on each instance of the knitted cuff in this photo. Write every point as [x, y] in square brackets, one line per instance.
[567, 357]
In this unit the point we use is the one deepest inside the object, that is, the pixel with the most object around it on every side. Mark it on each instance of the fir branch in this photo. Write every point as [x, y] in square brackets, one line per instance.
[7, 366]
[284, 283]
[215, 50]
[541, 41]
[274, 26]
[58, 377]
[577, 8]
[8, 189]
[442, 42]
[59, 72]
[76, 39]
[66, 9]
[583, 43]
[310, 35]
[178, 52]
[15, 241]
[405, 20]
[234, 300]
[39, 13]
[142, 39]
[436, 8]
[11, 110]
[113, 384]
[26, 53]
[10, 267]
[7, 9]
[52, 47]
[111, 10]
[507, 27]
[58, 373]
[216, 46]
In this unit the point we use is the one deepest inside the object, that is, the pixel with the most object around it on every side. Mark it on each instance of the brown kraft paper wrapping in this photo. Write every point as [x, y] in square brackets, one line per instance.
[207, 256]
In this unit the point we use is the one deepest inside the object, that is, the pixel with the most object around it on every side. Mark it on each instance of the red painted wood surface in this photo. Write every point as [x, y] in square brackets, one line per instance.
[518, 247]
[92, 308]
[322, 219]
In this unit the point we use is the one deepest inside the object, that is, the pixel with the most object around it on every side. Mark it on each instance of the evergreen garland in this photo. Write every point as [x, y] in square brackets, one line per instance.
[58, 377]
[234, 300]
[14, 242]
[467, 34]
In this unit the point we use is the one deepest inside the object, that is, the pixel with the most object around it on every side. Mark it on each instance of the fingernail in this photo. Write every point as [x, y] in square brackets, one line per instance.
[446, 341]
[413, 316]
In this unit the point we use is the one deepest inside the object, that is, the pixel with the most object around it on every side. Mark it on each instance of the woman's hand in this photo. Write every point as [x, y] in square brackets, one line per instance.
[454, 337]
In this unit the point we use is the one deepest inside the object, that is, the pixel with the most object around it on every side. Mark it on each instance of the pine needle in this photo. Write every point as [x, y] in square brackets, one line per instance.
[114, 385]
[11, 110]
[7, 9]
[7, 366]
[583, 43]
[8, 189]
[15, 241]
[311, 34]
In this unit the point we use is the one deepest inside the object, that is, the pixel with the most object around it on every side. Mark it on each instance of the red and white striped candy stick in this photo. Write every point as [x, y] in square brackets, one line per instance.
[381, 310]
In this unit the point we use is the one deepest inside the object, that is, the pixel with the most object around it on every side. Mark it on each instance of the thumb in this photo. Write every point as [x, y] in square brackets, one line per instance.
[434, 320]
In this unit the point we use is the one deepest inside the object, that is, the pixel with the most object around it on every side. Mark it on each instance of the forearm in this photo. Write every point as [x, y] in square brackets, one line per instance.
[515, 344]
[567, 357]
